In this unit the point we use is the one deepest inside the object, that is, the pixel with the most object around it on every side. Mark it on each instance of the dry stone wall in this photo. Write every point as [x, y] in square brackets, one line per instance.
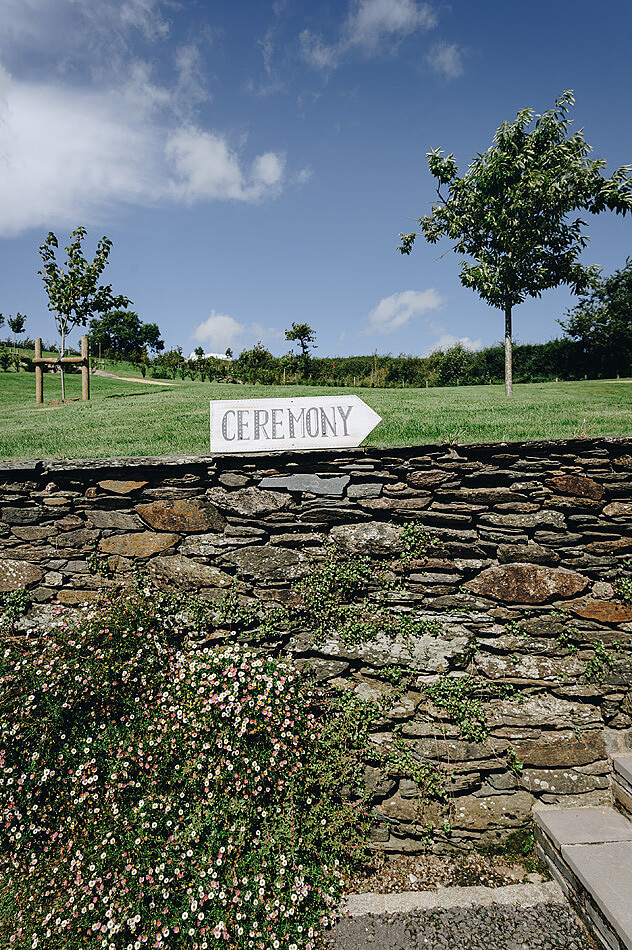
[522, 578]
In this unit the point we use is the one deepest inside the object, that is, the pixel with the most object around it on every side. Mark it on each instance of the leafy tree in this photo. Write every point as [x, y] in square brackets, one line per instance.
[16, 325]
[170, 361]
[255, 365]
[1, 320]
[74, 293]
[199, 352]
[229, 353]
[510, 211]
[602, 323]
[121, 333]
[304, 335]
[453, 365]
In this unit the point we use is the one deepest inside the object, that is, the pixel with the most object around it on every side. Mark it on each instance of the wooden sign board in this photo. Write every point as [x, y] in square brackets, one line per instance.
[306, 422]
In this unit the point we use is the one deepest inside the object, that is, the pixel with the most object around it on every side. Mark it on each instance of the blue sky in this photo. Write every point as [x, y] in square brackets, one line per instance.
[254, 162]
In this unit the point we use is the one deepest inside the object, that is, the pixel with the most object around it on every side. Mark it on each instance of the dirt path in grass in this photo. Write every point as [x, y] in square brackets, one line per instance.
[134, 379]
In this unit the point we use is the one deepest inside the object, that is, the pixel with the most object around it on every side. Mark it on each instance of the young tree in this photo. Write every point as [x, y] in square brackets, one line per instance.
[510, 210]
[602, 323]
[16, 325]
[303, 333]
[74, 293]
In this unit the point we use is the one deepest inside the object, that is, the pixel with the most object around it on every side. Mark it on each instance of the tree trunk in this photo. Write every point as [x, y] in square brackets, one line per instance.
[508, 362]
[61, 366]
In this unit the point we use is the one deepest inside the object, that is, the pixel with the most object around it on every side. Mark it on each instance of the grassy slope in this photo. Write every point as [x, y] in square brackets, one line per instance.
[130, 418]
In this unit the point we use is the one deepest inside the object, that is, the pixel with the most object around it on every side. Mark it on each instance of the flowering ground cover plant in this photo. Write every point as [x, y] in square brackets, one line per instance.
[157, 797]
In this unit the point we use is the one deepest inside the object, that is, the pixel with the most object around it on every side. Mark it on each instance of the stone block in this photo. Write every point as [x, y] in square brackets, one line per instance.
[619, 509]
[561, 781]
[72, 598]
[524, 667]
[365, 490]
[527, 583]
[543, 711]
[429, 478]
[33, 533]
[248, 502]
[14, 575]
[590, 825]
[184, 515]
[561, 750]
[530, 553]
[538, 519]
[120, 486]
[188, 575]
[117, 520]
[233, 480]
[316, 484]
[603, 611]
[605, 871]
[622, 765]
[498, 811]
[399, 808]
[424, 653]
[577, 485]
[372, 538]
[78, 539]
[268, 563]
[142, 544]
[20, 515]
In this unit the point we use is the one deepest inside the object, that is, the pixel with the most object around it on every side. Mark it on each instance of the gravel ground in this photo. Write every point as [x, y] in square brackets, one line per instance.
[545, 926]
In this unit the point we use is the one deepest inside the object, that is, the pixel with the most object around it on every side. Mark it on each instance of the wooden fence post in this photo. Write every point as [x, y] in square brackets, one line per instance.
[85, 369]
[39, 373]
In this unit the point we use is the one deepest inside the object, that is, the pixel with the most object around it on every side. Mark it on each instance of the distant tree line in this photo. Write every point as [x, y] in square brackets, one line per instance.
[562, 358]
[597, 343]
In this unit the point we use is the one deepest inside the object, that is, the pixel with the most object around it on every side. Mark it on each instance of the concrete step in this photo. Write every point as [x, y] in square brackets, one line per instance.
[589, 853]
[622, 782]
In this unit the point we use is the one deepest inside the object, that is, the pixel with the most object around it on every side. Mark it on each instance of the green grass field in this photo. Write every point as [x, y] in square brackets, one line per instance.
[136, 418]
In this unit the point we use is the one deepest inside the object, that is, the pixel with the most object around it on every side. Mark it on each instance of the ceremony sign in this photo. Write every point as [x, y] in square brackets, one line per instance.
[305, 422]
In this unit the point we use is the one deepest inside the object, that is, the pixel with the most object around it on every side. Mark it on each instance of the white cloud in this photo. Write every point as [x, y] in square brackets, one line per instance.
[370, 24]
[93, 34]
[445, 59]
[303, 175]
[394, 312]
[317, 53]
[84, 124]
[67, 154]
[219, 332]
[206, 168]
[372, 21]
[267, 170]
[446, 340]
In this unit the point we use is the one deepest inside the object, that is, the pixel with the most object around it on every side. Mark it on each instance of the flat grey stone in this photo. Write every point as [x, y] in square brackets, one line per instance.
[589, 825]
[622, 765]
[365, 490]
[423, 653]
[528, 895]
[374, 538]
[605, 870]
[315, 484]
[125, 520]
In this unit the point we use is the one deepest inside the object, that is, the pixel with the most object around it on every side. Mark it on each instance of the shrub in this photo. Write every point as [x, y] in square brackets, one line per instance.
[157, 797]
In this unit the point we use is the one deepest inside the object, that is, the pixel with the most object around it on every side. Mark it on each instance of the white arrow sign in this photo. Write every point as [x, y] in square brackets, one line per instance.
[306, 422]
